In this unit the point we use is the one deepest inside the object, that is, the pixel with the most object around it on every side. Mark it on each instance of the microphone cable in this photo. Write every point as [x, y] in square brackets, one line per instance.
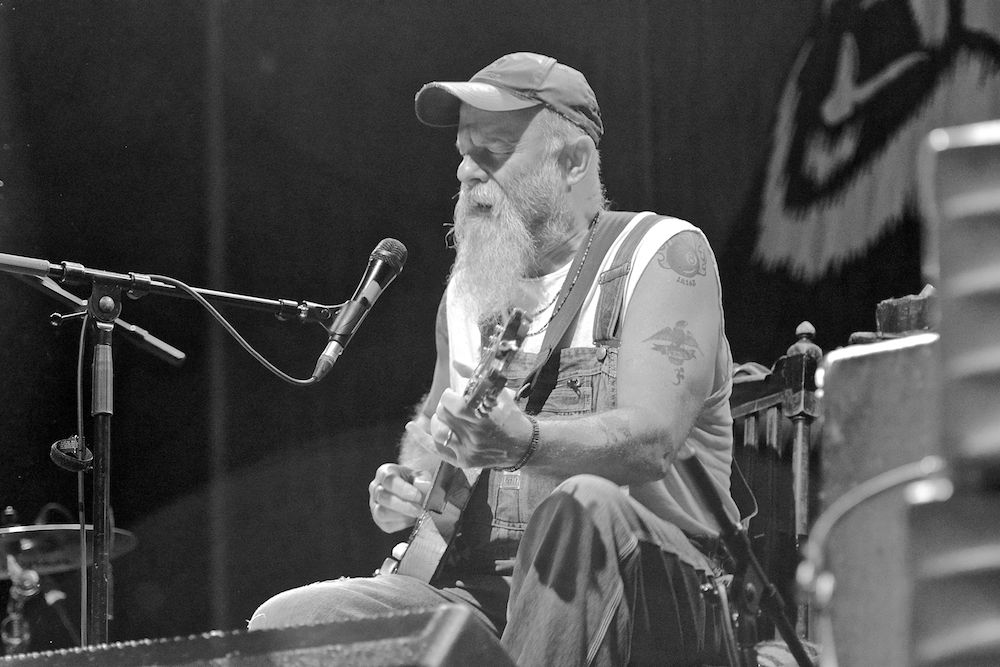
[231, 330]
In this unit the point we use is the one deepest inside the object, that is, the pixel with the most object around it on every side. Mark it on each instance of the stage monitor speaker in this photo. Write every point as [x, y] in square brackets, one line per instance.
[955, 554]
[960, 203]
[448, 635]
[955, 541]
[881, 410]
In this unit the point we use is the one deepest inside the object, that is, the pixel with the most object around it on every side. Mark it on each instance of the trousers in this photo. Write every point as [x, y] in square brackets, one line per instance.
[598, 580]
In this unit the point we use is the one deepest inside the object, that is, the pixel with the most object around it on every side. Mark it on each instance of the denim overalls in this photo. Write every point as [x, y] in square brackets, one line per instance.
[500, 508]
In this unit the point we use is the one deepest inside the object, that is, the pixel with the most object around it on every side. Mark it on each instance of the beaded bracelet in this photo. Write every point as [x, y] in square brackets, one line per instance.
[532, 446]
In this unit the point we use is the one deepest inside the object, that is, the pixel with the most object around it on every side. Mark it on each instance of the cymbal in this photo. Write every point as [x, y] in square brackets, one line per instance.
[55, 547]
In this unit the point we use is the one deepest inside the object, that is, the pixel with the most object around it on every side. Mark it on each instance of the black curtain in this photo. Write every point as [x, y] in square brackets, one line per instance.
[108, 123]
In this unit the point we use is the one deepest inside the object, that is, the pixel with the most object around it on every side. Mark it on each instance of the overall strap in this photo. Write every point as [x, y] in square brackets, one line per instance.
[574, 290]
[612, 285]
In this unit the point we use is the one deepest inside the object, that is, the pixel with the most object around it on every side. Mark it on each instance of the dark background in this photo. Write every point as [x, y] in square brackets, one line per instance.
[265, 148]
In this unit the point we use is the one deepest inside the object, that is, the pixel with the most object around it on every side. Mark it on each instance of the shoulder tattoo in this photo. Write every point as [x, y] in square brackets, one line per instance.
[678, 344]
[686, 255]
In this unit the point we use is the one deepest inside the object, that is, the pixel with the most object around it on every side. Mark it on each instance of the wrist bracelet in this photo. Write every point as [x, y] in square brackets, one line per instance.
[532, 446]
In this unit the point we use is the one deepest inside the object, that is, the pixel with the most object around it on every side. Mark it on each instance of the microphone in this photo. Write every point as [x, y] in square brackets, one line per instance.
[384, 264]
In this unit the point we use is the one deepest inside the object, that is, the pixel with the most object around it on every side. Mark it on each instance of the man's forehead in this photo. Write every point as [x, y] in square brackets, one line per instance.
[483, 125]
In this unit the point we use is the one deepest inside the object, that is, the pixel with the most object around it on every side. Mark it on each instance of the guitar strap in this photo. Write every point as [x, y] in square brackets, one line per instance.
[540, 382]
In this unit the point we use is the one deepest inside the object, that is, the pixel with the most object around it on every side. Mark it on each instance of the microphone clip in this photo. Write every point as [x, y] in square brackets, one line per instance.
[65, 453]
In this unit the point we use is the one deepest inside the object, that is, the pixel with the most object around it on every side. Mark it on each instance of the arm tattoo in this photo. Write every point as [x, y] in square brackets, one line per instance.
[686, 255]
[678, 344]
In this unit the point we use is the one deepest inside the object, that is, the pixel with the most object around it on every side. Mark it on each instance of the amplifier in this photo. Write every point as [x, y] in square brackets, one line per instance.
[881, 411]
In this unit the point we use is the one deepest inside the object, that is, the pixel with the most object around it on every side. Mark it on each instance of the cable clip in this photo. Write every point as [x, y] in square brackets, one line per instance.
[65, 453]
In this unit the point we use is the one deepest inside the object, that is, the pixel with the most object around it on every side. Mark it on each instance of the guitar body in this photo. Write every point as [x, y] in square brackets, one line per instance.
[437, 526]
[423, 552]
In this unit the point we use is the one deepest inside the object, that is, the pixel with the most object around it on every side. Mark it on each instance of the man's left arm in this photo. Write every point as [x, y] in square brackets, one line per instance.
[666, 367]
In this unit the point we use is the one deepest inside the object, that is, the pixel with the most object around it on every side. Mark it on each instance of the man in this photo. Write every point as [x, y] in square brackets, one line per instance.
[584, 543]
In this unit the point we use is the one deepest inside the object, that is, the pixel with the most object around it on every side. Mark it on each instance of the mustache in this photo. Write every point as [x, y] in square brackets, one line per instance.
[480, 194]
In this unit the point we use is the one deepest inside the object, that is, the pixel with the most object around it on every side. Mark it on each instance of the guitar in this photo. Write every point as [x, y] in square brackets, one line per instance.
[421, 554]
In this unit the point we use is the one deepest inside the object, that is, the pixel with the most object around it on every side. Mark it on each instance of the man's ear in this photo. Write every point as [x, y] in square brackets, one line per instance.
[576, 158]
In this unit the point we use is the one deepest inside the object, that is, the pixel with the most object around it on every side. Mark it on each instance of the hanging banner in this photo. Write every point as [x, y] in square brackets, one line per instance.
[870, 82]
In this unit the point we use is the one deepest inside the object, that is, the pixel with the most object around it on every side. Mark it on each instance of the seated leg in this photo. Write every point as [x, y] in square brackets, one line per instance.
[348, 599]
[599, 579]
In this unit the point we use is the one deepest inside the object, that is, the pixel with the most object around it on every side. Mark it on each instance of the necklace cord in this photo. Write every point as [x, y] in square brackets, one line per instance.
[565, 293]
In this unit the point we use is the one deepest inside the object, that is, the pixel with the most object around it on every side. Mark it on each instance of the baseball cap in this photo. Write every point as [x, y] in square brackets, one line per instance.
[515, 81]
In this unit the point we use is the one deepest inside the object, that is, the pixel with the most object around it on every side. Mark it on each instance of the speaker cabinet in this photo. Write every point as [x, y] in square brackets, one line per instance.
[881, 410]
[955, 550]
[960, 192]
[956, 542]
[445, 636]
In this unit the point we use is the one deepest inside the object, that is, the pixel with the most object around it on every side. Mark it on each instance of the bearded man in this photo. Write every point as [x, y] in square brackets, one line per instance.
[583, 542]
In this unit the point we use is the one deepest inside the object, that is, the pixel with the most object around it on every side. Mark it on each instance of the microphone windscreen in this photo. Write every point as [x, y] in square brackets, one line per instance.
[391, 252]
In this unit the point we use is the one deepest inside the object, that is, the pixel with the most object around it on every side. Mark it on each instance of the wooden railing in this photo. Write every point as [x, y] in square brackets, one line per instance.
[773, 412]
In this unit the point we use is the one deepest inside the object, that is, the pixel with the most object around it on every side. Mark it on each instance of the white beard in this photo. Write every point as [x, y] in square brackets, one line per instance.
[499, 235]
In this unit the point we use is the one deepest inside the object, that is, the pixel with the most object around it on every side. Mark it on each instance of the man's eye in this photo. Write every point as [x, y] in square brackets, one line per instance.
[489, 159]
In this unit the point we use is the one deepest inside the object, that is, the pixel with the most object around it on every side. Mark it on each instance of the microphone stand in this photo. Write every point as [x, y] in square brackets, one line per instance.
[751, 583]
[137, 285]
[104, 306]
[134, 334]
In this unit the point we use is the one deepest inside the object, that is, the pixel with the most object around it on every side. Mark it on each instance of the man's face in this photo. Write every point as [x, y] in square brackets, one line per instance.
[499, 150]
[511, 206]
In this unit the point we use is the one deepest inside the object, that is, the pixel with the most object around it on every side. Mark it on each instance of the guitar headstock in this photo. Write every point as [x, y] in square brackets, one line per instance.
[489, 377]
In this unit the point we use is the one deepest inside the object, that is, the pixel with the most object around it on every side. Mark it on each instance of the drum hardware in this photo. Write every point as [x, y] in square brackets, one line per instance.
[15, 629]
[54, 548]
[33, 551]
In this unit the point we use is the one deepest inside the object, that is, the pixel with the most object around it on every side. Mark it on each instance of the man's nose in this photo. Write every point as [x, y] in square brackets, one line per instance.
[469, 171]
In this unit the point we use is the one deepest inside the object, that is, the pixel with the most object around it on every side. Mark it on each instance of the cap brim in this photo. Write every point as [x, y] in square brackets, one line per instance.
[437, 103]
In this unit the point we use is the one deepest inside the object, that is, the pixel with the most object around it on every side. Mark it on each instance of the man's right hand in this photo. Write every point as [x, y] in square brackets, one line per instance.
[396, 494]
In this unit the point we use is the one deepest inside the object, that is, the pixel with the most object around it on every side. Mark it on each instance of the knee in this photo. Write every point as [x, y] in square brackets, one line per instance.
[258, 621]
[299, 606]
[275, 612]
[579, 525]
[264, 616]
[589, 490]
[582, 498]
